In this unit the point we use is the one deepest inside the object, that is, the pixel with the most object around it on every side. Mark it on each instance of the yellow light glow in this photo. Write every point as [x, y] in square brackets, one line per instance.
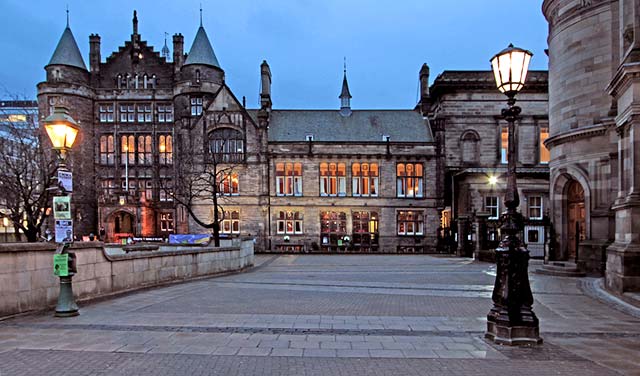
[493, 180]
[510, 68]
[61, 135]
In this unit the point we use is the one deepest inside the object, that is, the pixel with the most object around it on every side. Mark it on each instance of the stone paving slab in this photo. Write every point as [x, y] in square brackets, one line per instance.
[329, 315]
[63, 363]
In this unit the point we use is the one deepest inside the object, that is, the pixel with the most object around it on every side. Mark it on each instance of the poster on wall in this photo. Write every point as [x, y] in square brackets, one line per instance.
[62, 207]
[64, 231]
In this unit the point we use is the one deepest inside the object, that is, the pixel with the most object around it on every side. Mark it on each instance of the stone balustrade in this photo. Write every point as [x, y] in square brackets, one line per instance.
[27, 282]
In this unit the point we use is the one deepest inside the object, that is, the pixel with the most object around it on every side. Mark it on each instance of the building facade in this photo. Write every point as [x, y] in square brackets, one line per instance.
[18, 119]
[594, 50]
[335, 180]
[297, 180]
[465, 107]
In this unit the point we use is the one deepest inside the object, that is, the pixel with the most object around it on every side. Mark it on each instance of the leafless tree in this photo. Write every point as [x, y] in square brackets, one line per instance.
[203, 178]
[27, 172]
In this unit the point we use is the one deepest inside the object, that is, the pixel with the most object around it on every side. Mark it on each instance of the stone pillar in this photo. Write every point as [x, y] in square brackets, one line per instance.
[623, 256]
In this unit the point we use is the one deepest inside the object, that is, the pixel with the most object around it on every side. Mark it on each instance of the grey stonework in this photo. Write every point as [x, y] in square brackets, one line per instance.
[429, 135]
[593, 116]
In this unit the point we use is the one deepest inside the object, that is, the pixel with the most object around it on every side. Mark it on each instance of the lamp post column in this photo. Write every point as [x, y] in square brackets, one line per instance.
[511, 321]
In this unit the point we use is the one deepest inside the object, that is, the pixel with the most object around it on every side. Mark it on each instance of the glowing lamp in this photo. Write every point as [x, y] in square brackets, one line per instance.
[510, 67]
[61, 129]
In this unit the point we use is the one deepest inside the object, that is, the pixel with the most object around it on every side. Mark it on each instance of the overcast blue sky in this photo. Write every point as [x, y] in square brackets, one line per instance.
[304, 41]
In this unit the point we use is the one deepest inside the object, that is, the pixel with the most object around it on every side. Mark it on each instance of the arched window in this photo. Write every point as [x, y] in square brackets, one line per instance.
[470, 147]
[226, 145]
[165, 149]
[197, 75]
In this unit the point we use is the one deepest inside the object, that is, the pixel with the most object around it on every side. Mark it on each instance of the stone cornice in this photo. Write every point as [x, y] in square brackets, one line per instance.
[575, 134]
[550, 9]
[625, 75]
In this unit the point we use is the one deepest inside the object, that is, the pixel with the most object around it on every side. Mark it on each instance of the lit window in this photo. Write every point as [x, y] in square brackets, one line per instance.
[228, 184]
[289, 222]
[504, 144]
[410, 222]
[333, 229]
[107, 152]
[166, 222]
[196, 106]
[333, 179]
[365, 229]
[165, 149]
[535, 207]
[409, 178]
[288, 179]
[492, 205]
[106, 113]
[127, 150]
[144, 150]
[364, 179]
[545, 156]
[230, 222]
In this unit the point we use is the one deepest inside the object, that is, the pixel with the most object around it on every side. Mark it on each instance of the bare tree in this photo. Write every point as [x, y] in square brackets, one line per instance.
[203, 178]
[27, 172]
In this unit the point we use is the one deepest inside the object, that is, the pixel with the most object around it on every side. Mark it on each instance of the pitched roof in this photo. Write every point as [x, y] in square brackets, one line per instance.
[67, 51]
[361, 126]
[201, 51]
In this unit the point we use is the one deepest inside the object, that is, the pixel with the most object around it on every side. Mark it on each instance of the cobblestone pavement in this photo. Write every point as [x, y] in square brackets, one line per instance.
[326, 315]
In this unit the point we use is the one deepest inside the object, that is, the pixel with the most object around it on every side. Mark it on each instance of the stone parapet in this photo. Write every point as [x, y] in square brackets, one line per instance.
[27, 282]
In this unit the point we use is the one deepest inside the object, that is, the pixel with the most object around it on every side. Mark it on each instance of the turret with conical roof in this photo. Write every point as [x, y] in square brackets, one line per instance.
[66, 63]
[201, 63]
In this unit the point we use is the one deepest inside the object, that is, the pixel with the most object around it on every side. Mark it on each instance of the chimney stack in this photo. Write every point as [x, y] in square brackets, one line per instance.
[265, 86]
[94, 53]
[178, 51]
[424, 88]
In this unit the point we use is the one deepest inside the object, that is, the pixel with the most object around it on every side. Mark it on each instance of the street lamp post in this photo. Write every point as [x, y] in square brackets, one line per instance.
[62, 131]
[511, 321]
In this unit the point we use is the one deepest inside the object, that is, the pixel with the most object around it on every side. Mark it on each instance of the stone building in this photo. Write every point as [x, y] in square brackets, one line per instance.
[465, 106]
[297, 180]
[594, 51]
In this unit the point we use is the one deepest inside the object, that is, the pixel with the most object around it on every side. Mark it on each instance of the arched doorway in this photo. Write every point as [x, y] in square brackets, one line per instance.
[121, 225]
[576, 215]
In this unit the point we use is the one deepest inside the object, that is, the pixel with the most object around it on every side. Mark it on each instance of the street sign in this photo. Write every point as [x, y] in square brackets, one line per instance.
[61, 265]
[66, 180]
[62, 207]
[64, 231]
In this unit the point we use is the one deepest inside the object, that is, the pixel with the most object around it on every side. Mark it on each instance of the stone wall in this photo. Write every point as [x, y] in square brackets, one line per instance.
[27, 282]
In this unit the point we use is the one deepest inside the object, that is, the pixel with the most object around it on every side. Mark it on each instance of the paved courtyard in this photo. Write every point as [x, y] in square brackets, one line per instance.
[327, 315]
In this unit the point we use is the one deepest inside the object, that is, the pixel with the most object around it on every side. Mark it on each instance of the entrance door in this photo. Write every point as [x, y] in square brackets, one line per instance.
[576, 218]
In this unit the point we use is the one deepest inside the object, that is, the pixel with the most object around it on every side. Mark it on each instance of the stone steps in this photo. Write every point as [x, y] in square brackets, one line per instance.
[561, 269]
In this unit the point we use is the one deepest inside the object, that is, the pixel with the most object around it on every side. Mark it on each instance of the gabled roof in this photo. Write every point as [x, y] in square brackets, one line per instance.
[67, 51]
[361, 126]
[201, 51]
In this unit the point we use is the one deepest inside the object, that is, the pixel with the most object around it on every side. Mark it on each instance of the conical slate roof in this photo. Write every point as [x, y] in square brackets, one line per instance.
[345, 87]
[201, 51]
[67, 51]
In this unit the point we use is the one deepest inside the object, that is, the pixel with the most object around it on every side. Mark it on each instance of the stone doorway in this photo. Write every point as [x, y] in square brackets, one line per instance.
[121, 225]
[576, 215]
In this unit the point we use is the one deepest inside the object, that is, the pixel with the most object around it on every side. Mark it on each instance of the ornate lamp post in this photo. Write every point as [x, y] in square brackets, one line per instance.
[62, 131]
[511, 321]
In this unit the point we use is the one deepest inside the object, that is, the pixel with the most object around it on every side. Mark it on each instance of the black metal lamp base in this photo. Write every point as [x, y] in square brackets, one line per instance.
[66, 306]
[503, 332]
